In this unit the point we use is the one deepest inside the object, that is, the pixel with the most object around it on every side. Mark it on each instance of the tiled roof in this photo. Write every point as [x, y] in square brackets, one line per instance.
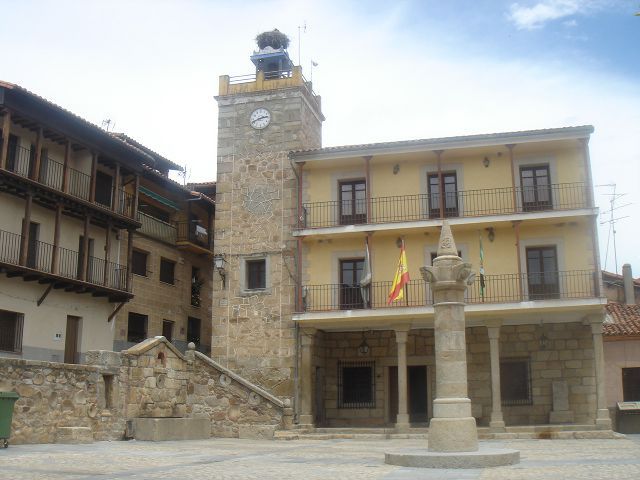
[189, 188]
[622, 320]
[426, 142]
[615, 277]
[120, 138]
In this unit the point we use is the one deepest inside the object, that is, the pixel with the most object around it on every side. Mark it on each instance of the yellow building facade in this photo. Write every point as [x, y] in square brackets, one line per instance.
[520, 201]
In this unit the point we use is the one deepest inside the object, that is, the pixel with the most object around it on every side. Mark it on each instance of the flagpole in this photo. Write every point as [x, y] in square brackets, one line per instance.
[406, 293]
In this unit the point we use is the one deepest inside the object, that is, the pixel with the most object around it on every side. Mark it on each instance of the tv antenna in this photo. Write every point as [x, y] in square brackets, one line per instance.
[611, 221]
[304, 30]
[108, 124]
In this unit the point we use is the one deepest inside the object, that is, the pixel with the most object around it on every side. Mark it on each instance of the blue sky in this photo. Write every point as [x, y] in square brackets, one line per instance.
[386, 71]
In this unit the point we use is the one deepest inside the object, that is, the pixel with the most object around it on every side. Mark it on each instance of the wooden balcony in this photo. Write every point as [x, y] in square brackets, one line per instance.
[61, 268]
[56, 184]
[188, 235]
[509, 288]
[463, 203]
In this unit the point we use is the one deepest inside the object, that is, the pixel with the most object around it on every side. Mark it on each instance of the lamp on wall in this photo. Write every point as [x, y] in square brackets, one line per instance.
[486, 162]
[492, 234]
[219, 262]
[363, 348]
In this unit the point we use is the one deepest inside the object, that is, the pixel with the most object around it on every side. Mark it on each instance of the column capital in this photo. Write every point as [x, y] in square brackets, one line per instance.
[494, 323]
[307, 335]
[401, 334]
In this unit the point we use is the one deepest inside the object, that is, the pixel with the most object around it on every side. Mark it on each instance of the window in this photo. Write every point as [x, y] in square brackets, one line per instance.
[11, 331]
[536, 188]
[139, 263]
[256, 274]
[193, 330]
[631, 384]
[137, 327]
[167, 329]
[167, 271]
[542, 273]
[350, 290]
[353, 202]
[448, 184]
[515, 382]
[356, 385]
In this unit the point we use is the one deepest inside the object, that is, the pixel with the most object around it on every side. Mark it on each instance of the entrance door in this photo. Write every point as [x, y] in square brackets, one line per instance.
[353, 202]
[350, 276]
[417, 401]
[542, 273]
[72, 338]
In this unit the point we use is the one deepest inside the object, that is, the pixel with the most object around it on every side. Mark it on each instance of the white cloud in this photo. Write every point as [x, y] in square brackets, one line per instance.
[537, 15]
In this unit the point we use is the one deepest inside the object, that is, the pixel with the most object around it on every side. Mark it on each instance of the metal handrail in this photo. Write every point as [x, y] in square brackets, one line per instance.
[463, 203]
[504, 288]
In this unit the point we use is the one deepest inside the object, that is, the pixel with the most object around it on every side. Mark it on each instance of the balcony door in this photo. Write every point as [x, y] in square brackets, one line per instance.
[542, 273]
[104, 188]
[90, 266]
[536, 188]
[447, 184]
[350, 276]
[32, 246]
[353, 202]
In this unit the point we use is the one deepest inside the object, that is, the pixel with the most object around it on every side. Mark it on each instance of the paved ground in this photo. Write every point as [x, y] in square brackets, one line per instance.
[309, 460]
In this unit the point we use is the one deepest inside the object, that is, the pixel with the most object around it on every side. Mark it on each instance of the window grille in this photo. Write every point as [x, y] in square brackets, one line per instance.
[515, 381]
[356, 384]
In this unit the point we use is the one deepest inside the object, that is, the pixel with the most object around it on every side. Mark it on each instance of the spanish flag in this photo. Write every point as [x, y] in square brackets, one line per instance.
[401, 278]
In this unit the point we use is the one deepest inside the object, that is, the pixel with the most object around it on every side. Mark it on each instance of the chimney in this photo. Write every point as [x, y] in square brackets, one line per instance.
[627, 279]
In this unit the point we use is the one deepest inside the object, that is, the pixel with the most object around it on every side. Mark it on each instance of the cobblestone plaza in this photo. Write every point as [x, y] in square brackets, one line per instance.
[330, 459]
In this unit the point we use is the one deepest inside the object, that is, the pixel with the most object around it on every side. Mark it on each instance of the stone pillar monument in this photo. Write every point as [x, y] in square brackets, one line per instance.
[452, 428]
[453, 437]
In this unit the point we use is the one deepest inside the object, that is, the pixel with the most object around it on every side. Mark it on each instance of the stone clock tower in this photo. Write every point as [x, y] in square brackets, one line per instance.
[261, 119]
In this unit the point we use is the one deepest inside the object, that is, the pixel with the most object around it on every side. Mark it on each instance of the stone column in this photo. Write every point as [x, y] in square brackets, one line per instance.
[496, 424]
[602, 412]
[452, 428]
[305, 417]
[402, 420]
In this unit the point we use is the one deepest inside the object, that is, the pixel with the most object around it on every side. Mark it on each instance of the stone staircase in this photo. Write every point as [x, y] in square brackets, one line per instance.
[554, 432]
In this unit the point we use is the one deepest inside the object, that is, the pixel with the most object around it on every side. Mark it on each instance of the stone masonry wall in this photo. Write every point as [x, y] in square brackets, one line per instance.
[56, 395]
[152, 379]
[567, 354]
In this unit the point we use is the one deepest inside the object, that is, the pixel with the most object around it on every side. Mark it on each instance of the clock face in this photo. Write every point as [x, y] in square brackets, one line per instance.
[260, 118]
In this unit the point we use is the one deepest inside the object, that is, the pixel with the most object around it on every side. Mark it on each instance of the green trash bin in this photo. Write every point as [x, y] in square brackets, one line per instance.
[7, 399]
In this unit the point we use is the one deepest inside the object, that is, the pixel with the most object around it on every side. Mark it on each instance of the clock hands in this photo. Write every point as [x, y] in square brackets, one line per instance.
[259, 118]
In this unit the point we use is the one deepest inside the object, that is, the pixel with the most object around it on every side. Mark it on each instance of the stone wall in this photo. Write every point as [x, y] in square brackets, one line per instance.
[54, 395]
[152, 379]
[566, 354]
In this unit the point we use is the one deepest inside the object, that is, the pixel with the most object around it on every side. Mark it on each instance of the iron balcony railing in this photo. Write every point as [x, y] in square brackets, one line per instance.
[40, 257]
[193, 232]
[506, 288]
[157, 229]
[21, 161]
[463, 203]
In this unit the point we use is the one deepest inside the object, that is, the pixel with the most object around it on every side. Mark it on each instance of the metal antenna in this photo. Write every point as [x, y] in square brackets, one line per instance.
[108, 124]
[304, 30]
[613, 197]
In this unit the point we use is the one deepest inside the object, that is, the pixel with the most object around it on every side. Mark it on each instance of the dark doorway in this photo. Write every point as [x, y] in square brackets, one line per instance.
[542, 273]
[417, 377]
[104, 188]
[418, 399]
[32, 246]
[167, 329]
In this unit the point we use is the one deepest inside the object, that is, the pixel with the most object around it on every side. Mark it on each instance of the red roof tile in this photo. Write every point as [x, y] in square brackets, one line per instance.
[622, 320]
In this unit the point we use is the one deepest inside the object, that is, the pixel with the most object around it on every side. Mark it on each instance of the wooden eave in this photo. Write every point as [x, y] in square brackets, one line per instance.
[68, 284]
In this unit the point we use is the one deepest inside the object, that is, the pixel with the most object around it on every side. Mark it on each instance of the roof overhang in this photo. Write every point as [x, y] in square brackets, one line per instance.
[445, 143]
